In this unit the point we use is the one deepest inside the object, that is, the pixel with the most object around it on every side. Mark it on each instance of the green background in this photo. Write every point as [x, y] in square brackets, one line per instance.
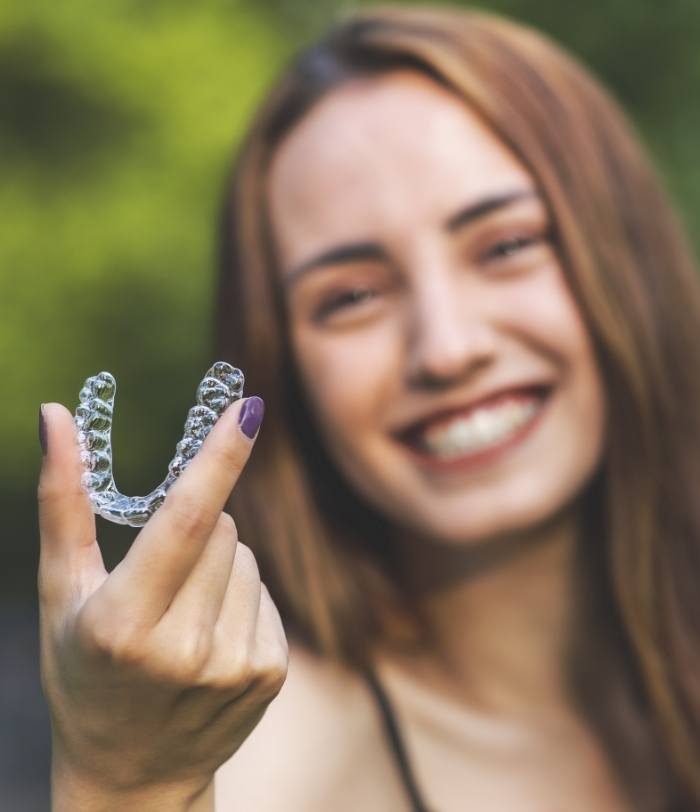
[118, 120]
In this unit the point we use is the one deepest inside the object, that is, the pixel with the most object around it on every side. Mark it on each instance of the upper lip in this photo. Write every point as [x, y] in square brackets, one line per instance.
[416, 424]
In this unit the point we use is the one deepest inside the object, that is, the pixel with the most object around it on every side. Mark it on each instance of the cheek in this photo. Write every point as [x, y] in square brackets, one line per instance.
[550, 321]
[347, 377]
[562, 326]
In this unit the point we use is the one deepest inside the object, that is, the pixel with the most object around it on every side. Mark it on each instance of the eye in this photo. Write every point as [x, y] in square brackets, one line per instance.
[510, 247]
[345, 300]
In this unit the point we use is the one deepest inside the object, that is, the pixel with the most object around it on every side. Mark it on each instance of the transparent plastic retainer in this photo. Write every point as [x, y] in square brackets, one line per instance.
[221, 386]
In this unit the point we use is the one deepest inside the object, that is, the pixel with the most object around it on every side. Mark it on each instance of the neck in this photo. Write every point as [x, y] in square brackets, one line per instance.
[499, 615]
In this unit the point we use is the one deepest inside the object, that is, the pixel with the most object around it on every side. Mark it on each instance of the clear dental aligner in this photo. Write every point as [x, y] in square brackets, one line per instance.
[221, 386]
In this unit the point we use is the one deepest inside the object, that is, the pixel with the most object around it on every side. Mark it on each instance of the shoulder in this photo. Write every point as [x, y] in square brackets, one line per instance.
[319, 740]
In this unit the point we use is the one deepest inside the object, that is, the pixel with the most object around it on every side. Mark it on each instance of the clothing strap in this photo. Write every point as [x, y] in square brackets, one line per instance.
[395, 741]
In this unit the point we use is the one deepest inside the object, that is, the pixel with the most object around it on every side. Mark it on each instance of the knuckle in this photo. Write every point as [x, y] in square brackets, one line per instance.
[233, 679]
[241, 672]
[189, 515]
[187, 662]
[269, 677]
[245, 561]
[117, 642]
[258, 677]
[45, 492]
[227, 683]
[227, 525]
[89, 628]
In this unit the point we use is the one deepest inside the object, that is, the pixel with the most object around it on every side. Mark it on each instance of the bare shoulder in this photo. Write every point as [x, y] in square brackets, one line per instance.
[318, 741]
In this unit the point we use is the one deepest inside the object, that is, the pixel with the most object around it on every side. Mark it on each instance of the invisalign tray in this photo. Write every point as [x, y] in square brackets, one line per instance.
[221, 386]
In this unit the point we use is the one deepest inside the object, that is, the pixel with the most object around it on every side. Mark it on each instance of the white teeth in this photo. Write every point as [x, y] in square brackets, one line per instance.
[480, 429]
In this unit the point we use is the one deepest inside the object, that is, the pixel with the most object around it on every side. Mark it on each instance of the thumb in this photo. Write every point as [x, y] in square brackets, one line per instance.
[66, 520]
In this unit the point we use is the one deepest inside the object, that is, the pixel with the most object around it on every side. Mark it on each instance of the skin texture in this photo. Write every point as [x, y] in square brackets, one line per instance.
[429, 317]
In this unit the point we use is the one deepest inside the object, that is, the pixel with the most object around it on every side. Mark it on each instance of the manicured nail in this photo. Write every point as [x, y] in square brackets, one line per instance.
[42, 430]
[251, 416]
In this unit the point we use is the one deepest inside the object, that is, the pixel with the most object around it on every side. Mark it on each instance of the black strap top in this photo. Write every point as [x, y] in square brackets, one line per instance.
[396, 743]
[398, 749]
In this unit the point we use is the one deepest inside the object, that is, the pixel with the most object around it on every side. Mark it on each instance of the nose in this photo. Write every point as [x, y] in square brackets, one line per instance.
[448, 339]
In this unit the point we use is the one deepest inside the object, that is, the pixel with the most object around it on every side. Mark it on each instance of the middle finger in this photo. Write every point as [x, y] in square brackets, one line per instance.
[197, 604]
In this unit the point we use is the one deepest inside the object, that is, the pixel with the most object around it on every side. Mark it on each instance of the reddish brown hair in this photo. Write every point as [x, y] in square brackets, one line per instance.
[635, 665]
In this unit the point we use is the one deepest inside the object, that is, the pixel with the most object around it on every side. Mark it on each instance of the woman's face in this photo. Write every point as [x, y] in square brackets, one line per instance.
[444, 357]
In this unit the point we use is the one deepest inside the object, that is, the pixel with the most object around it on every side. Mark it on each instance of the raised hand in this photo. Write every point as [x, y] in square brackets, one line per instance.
[156, 672]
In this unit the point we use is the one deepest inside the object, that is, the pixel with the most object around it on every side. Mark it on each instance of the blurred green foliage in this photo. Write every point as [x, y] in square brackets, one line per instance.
[118, 120]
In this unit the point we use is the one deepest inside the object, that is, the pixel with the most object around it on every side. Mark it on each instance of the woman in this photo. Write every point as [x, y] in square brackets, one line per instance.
[455, 281]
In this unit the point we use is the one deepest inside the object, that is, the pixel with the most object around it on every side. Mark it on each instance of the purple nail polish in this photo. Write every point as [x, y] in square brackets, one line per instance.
[251, 416]
[42, 430]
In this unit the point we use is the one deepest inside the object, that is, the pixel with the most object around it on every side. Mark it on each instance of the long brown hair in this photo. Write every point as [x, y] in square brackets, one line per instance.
[635, 667]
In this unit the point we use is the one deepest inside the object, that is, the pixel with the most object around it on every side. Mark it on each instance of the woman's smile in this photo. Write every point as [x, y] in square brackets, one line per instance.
[477, 435]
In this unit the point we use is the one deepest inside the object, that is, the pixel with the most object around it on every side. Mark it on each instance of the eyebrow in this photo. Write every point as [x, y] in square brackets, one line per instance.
[352, 252]
[486, 205]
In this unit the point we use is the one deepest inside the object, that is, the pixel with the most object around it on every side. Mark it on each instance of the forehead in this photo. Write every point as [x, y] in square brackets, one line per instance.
[380, 156]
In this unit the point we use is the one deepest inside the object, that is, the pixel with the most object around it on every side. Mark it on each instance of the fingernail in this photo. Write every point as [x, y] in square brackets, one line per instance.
[251, 416]
[42, 430]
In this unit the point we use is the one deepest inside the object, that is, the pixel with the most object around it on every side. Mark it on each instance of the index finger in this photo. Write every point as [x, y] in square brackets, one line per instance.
[169, 545]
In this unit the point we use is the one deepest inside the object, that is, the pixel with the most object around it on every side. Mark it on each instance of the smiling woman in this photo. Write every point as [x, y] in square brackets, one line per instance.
[418, 335]
[454, 278]
[452, 274]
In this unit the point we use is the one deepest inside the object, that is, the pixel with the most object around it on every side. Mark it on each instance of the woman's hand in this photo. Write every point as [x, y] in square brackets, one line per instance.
[156, 672]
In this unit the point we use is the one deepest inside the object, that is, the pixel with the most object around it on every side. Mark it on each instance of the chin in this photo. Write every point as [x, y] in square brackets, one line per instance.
[475, 518]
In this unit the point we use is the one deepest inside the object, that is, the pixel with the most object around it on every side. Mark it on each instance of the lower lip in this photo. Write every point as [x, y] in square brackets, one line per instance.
[480, 459]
